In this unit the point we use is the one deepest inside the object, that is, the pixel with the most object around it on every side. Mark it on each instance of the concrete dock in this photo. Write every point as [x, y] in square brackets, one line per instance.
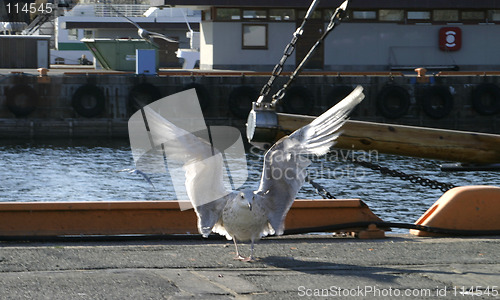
[290, 267]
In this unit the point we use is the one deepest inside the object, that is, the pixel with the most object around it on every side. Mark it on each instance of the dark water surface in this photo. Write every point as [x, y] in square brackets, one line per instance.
[86, 170]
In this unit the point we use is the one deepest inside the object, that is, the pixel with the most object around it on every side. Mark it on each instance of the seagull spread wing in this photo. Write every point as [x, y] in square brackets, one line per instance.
[143, 33]
[284, 168]
[153, 34]
[203, 166]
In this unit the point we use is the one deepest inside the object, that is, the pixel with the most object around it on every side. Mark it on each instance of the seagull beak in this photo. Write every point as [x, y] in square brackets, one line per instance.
[249, 206]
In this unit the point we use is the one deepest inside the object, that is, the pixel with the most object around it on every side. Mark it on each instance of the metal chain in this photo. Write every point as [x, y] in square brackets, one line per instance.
[289, 49]
[426, 182]
[320, 190]
[336, 18]
[433, 184]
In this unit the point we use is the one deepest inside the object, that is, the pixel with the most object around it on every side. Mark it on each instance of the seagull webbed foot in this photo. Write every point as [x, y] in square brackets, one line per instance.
[248, 259]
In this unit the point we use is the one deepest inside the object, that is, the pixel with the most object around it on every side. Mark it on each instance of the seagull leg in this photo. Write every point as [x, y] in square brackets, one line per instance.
[238, 256]
[250, 258]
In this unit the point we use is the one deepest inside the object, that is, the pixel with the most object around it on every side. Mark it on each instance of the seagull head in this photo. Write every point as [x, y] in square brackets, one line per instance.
[244, 199]
[143, 33]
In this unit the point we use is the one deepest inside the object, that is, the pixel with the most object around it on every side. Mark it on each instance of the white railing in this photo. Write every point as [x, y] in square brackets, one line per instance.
[120, 10]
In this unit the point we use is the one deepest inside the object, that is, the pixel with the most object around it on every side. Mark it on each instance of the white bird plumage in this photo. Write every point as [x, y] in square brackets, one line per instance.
[143, 33]
[249, 215]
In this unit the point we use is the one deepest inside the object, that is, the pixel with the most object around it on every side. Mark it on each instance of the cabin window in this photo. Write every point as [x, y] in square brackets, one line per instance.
[494, 15]
[206, 15]
[445, 15]
[474, 15]
[73, 34]
[364, 15]
[282, 14]
[391, 15]
[254, 14]
[418, 15]
[228, 14]
[88, 34]
[254, 36]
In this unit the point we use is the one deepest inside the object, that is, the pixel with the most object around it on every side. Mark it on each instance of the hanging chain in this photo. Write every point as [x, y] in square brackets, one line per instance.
[433, 184]
[425, 182]
[320, 190]
[336, 18]
[290, 48]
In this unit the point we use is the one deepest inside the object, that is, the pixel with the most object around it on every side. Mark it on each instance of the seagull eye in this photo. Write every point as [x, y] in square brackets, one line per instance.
[242, 195]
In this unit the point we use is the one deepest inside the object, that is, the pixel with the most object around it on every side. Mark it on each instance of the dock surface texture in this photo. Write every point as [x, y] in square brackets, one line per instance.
[291, 267]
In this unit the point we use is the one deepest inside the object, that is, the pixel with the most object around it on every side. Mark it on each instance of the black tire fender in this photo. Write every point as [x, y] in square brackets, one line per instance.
[240, 100]
[393, 101]
[485, 99]
[21, 100]
[337, 94]
[89, 101]
[202, 92]
[141, 95]
[298, 100]
[436, 101]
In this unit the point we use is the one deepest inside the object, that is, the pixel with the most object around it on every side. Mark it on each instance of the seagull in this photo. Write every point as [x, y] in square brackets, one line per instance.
[139, 172]
[248, 215]
[145, 34]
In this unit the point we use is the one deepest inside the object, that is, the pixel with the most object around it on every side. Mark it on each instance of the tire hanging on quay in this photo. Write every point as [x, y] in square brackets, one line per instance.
[485, 99]
[240, 100]
[436, 101]
[298, 100]
[141, 95]
[393, 101]
[202, 92]
[89, 101]
[337, 94]
[21, 100]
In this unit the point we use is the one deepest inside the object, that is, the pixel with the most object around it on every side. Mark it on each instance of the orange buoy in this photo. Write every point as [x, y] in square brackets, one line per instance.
[463, 208]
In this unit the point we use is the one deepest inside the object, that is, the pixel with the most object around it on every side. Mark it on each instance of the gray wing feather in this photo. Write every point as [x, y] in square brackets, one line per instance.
[146, 34]
[203, 166]
[284, 169]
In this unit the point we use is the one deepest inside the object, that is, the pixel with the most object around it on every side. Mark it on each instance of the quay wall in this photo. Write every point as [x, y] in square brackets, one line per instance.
[95, 104]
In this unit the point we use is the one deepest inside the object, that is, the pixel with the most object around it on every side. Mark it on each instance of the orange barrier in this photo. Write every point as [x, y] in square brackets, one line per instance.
[153, 217]
[463, 208]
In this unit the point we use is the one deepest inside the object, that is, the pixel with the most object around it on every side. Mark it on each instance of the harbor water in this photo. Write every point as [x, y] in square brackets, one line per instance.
[84, 170]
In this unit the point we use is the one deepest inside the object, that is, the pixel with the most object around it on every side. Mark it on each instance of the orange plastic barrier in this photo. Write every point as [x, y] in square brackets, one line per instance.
[463, 208]
[153, 217]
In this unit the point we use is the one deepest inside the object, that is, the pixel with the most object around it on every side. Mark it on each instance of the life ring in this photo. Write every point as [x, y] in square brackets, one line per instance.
[436, 101]
[88, 101]
[240, 100]
[298, 100]
[22, 100]
[393, 101]
[486, 99]
[201, 91]
[337, 94]
[142, 95]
